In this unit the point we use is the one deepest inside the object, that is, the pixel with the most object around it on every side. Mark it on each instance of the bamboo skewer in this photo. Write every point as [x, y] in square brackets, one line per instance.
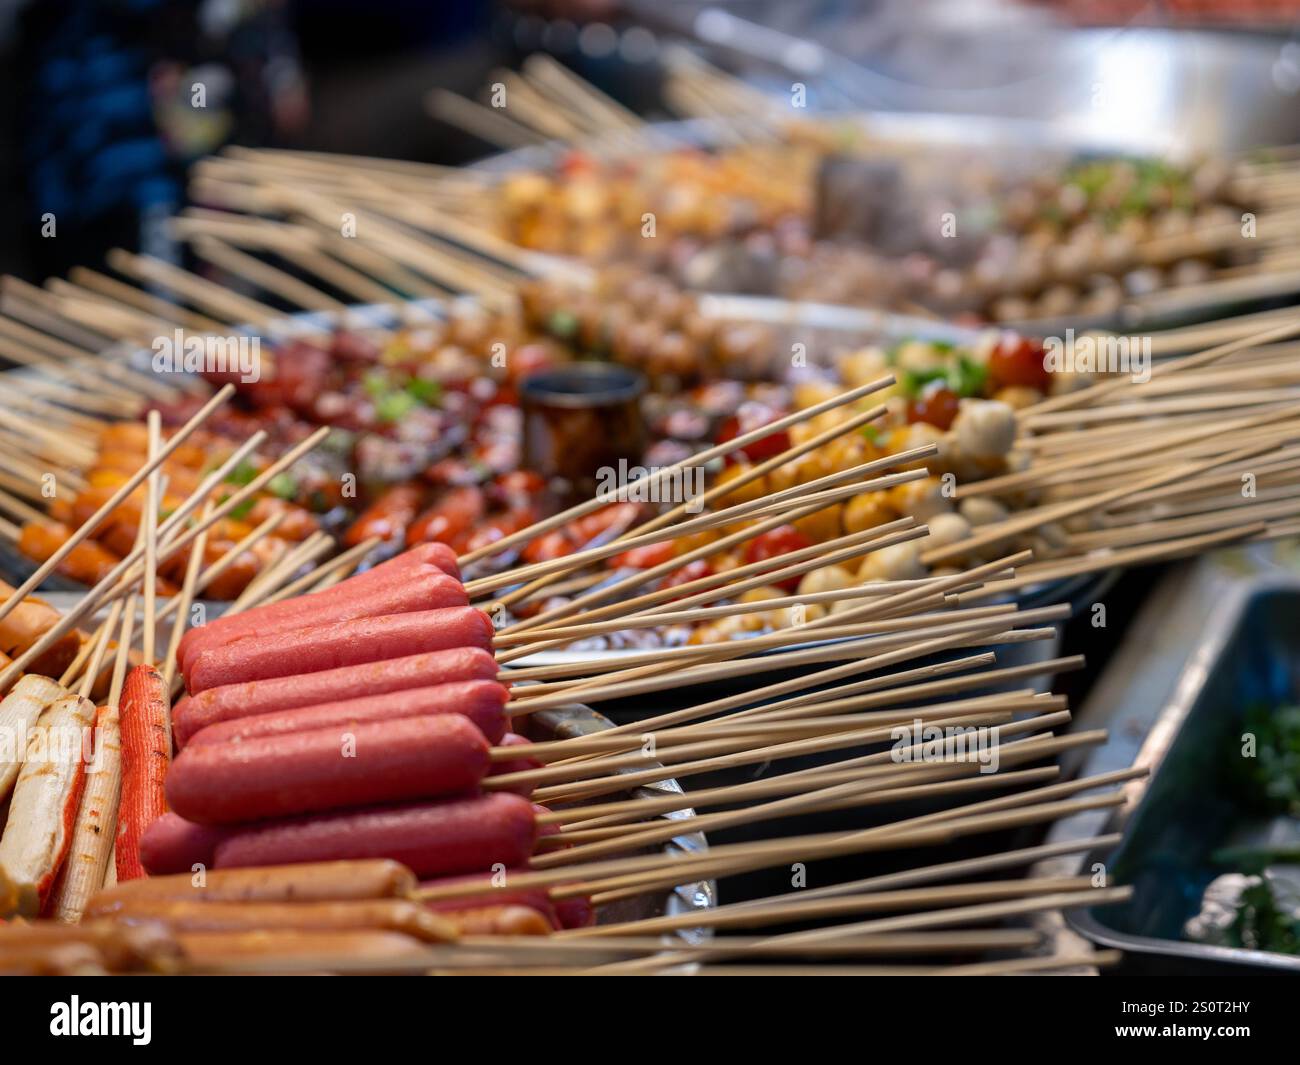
[183, 600]
[132, 482]
[719, 450]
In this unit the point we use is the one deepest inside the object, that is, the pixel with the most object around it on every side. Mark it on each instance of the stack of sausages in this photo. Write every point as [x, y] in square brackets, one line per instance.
[297, 916]
[354, 723]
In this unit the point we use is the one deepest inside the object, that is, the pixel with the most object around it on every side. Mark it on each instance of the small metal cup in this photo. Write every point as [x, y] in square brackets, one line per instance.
[581, 419]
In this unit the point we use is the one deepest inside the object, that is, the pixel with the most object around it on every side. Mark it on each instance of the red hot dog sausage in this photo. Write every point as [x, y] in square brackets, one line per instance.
[173, 845]
[232, 701]
[480, 701]
[342, 643]
[430, 838]
[516, 765]
[325, 769]
[385, 573]
[408, 589]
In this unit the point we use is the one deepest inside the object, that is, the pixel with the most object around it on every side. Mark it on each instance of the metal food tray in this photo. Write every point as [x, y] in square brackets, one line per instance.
[572, 721]
[1180, 814]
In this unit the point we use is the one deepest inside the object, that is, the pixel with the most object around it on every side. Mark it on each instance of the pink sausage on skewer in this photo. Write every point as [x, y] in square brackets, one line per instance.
[516, 765]
[173, 845]
[431, 838]
[327, 769]
[439, 556]
[372, 594]
[479, 701]
[342, 643]
[232, 701]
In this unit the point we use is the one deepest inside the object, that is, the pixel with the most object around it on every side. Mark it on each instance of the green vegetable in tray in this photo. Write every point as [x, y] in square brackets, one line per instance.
[563, 324]
[1271, 779]
[242, 474]
[426, 391]
[283, 485]
[1261, 924]
[394, 406]
[960, 373]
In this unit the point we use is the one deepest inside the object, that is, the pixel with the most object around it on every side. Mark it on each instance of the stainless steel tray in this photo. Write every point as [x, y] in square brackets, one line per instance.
[1180, 814]
[572, 721]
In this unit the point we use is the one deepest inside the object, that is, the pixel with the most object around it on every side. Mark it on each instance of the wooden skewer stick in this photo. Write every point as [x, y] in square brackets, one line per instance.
[730, 859]
[681, 869]
[340, 565]
[131, 484]
[547, 524]
[115, 584]
[150, 522]
[120, 291]
[798, 494]
[963, 914]
[848, 795]
[719, 491]
[1103, 389]
[284, 285]
[580, 787]
[735, 581]
[183, 600]
[908, 599]
[586, 602]
[787, 910]
[596, 821]
[214, 572]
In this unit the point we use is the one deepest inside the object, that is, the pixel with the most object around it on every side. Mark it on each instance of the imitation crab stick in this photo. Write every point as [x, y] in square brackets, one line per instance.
[146, 753]
[19, 711]
[343, 643]
[231, 701]
[92, 836]
[43, 811]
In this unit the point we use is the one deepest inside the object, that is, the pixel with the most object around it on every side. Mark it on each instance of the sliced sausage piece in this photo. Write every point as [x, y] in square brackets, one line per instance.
[47, 795]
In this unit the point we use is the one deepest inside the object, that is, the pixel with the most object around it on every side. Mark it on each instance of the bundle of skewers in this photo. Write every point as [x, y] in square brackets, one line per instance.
[1002, 459]
[367, 725]
[1098, 238]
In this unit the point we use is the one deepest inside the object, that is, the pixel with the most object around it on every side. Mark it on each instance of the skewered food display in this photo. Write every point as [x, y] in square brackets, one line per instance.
[362, 760]
[1074, 239]
[345, 771]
